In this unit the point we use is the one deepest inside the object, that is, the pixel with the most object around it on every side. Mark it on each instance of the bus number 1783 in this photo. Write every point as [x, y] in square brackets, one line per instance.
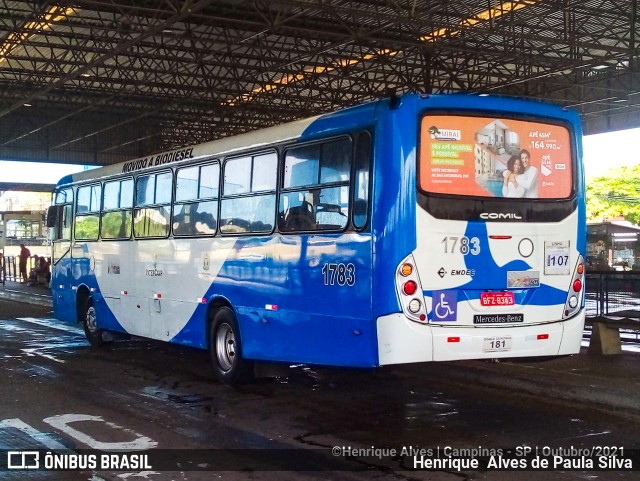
[464, 245]
[341, 274]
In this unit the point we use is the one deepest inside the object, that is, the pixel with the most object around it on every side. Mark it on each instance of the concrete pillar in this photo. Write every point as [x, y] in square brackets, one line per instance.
[604, 339]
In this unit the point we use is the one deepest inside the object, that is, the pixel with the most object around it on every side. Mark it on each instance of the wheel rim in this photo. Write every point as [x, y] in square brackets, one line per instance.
[225, 347]
[90, 319]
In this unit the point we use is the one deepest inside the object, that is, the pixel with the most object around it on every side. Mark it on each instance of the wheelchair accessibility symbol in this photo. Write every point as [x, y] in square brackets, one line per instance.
[445, 305]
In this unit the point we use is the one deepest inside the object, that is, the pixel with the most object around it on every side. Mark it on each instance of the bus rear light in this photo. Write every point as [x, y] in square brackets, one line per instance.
[573, 302]
[410, 288]
[414, 306]
[577, 285]
[453, 339]
[575, 295]
[406, 270]
[157, 296]
[500, 237]
[124, 293]
[542, 337]
[202, 300]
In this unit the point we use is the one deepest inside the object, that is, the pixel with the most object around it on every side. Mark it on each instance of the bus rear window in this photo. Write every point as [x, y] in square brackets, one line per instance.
[494, 157]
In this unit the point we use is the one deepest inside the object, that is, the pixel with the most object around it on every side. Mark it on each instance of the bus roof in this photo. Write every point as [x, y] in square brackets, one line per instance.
[227, 145]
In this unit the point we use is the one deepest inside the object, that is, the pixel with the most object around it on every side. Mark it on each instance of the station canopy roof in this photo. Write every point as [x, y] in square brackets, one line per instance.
[103, 81]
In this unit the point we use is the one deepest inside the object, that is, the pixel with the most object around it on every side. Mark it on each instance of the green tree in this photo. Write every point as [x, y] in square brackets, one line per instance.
[617, 194]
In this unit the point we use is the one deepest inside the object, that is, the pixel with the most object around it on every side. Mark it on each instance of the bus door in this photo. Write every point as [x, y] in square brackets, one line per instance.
[59, 219]
[158, 290]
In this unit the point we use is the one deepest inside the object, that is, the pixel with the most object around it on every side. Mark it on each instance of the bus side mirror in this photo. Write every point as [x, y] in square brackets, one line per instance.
[53, 214]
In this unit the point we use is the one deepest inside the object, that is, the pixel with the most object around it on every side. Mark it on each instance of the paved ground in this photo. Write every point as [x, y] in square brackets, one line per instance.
[607, 382]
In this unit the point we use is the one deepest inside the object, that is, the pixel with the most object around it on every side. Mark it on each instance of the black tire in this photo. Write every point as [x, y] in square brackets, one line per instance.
[90, 324]
[225, 349]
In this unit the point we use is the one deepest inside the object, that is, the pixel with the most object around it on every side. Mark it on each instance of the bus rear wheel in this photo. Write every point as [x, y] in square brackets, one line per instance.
[225, 348]
[90, 324]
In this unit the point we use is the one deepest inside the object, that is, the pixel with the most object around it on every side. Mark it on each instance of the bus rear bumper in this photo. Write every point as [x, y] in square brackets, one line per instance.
[403, 341]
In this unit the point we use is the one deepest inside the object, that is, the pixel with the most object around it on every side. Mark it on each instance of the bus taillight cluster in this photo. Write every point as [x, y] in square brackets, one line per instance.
[410, 292]
[573, 299]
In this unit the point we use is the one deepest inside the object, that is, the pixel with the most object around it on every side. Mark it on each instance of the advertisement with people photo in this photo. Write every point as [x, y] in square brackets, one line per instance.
[481, 156]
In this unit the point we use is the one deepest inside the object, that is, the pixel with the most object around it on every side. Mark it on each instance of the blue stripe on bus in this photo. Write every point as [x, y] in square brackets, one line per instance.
[337, 331]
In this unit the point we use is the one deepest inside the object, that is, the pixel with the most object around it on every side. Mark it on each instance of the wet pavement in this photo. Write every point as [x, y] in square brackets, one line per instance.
[163, 395]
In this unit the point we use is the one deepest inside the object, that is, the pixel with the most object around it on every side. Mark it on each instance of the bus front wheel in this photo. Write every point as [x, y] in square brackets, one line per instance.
[90, 323]
[225, 349]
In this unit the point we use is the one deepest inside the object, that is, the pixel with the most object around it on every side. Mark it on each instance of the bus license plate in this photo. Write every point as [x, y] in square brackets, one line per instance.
[497, 299]
[497, 344]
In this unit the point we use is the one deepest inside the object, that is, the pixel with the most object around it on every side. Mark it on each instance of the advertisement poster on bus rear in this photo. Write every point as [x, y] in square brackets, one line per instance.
[494, 157]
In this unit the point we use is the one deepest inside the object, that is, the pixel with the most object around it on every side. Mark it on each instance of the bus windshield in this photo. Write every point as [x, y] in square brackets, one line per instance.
[494, 157]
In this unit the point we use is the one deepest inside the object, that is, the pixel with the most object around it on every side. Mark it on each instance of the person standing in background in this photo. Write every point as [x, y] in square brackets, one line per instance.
[22, 261]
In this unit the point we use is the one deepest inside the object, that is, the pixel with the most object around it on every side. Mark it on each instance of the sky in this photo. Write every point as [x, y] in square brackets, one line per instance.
[35, 172]
[602, 152]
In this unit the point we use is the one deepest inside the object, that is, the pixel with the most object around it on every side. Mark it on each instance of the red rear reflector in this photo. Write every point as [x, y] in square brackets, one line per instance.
[577, 285]
[453, 339]
[542, 337]
[500, 237]
[410, 288]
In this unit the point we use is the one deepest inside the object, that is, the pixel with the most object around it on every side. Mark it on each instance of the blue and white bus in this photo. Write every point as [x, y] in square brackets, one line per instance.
[414, 228]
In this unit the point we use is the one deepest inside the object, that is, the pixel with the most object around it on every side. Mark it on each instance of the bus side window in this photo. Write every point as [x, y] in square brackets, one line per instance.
[249, 199]
[315, 187]
[195, 209]
[87, 221]
[153, 205]
[361, 180]
[117, 201]
[195, 218]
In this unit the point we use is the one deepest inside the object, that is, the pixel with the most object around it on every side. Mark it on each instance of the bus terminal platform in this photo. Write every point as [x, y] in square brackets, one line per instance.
[606, 382]
[30, 294]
